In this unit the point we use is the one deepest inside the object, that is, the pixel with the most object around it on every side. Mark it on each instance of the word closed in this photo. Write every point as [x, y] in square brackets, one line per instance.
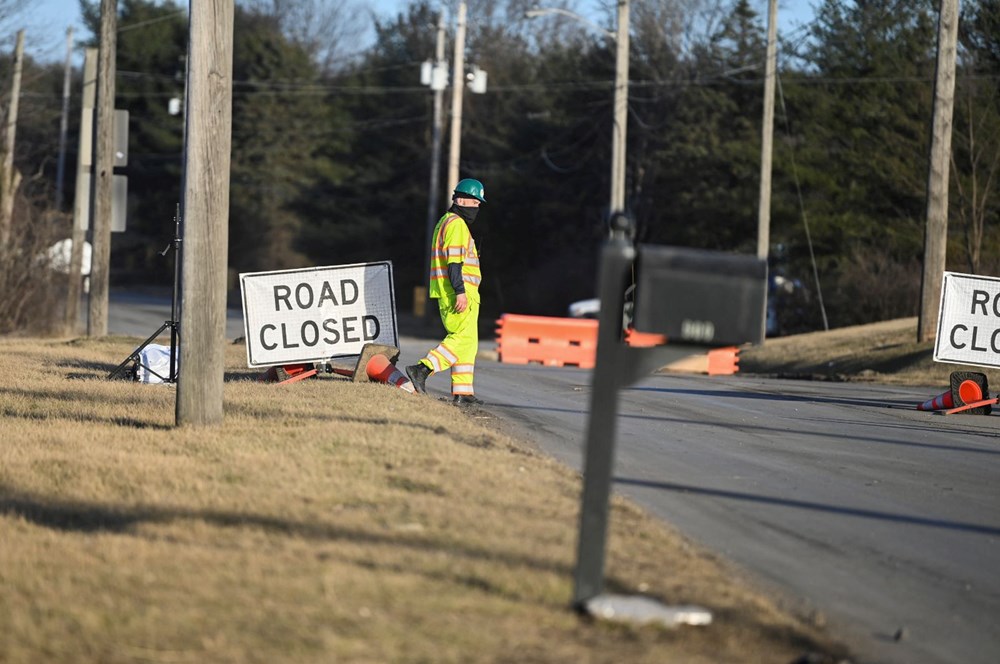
[309, 315]
[969, 320]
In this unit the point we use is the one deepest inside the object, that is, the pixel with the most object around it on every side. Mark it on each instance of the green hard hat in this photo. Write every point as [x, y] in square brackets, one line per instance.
[471, 188]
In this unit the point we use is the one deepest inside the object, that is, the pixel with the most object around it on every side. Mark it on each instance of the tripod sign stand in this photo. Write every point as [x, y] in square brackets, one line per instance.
[129, 367]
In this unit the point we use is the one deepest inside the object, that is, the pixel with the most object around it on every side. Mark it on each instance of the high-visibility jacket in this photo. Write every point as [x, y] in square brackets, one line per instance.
[453, 243]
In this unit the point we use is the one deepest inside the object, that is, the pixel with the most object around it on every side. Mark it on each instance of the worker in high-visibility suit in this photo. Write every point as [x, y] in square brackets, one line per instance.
[454, 282]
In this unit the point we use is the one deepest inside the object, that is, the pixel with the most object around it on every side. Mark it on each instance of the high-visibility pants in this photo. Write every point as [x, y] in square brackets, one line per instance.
[458, 350]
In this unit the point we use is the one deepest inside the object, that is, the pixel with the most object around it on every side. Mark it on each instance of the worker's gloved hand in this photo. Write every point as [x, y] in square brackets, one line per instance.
[461, 303]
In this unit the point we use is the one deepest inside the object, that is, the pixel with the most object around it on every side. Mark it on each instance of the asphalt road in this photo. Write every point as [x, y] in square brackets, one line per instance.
[840, 497]
[141, 314]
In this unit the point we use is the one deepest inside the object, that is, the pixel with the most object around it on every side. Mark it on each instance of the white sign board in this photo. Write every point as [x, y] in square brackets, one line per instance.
[313, 314]
[969, 320]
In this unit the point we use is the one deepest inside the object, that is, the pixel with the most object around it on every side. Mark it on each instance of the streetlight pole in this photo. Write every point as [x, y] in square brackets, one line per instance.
[620, 123]
[457, 85]
[438, 88]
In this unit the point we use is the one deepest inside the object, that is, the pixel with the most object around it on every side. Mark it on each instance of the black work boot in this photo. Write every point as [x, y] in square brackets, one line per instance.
[418, 374]
[467, 400]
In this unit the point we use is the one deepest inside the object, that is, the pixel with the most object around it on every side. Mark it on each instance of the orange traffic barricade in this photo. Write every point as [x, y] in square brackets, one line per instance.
[553, 342]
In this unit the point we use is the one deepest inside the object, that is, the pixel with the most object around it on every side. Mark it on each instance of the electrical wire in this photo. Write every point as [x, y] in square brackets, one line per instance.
[152, 21]
[802, 205]
[304, 88]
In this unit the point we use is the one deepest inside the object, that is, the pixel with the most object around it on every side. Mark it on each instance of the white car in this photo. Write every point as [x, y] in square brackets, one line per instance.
[585, 309]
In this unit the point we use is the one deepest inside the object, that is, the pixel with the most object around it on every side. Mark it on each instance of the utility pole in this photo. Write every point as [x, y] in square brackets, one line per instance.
[9, 178]
[936, 230]
[457, 87]
[104, 159]
[207, 159]
[438, 78]
[767, 134]
[619, 130]
[432, 197]
[81, 207]
[64, 119]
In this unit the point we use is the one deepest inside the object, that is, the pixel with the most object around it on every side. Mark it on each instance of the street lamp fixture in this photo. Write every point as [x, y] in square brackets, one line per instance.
[618, 130]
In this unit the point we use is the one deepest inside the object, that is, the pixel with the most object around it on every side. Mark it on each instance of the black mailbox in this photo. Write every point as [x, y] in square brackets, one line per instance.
[701, 297]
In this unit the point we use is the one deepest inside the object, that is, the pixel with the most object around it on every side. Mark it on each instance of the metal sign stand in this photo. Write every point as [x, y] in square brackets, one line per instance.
[134, 360]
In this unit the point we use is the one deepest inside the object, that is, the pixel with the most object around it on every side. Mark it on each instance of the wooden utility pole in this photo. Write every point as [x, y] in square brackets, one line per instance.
[767, 134]
[9, 178]
[81, 204]
[104, 162]
[619, 128]
[206, 213]
[936, 230]
[457, 88]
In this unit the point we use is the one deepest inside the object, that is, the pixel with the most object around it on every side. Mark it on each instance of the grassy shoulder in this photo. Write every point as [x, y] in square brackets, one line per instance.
[322, 521]
[885, 352]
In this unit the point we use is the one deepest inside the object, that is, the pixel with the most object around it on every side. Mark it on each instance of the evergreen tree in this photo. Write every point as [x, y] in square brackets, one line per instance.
[975, 204]
[708, 151]
[281, 131]
[375, 208]
[860, 122]
[331, 165]
[540, 139]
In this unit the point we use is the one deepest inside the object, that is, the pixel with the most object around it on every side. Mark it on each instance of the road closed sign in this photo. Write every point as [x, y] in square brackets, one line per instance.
[314, 314]
[969, 320]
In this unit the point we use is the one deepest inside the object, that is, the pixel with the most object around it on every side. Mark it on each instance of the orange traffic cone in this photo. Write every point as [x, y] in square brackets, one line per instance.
[969, 393]
[380, 369]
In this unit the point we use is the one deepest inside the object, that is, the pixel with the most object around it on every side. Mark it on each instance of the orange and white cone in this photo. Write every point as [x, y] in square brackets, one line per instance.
[968, 392]
[380, 369]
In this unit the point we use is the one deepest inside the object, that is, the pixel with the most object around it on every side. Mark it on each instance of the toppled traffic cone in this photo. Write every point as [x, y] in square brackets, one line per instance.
[354, 366]
[969, 393]
[380, 369]
[289, 373]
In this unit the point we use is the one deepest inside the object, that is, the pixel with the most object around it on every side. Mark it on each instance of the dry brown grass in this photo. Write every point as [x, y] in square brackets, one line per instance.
[885, 352]
[324, 521]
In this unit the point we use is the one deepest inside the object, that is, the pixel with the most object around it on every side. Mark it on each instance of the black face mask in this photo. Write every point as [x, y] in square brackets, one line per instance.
[467, 213]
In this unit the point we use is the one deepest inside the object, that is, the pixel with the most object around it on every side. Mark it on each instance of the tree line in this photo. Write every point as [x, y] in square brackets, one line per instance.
[332, 144]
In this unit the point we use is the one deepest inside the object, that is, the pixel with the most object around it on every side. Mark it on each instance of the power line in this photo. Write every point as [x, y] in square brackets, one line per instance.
[152, 21]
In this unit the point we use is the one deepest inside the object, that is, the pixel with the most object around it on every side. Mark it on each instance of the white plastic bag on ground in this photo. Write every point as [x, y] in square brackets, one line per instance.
[154, 364]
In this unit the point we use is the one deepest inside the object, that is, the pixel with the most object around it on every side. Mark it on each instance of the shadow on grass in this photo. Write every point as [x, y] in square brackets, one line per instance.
[92, 517]
[101, 370]
[117, 421]
[477, 440]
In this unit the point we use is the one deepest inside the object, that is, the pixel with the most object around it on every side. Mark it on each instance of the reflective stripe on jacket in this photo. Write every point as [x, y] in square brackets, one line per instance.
[453, 243]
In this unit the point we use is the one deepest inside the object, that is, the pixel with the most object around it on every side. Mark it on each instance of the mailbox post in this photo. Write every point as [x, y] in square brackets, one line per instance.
[698, 299]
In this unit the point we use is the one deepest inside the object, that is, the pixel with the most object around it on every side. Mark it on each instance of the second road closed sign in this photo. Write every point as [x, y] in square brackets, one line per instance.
[310, 315]
[969, 320]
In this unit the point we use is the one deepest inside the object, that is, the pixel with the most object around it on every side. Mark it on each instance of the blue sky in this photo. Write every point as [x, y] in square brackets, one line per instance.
[46, 21]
